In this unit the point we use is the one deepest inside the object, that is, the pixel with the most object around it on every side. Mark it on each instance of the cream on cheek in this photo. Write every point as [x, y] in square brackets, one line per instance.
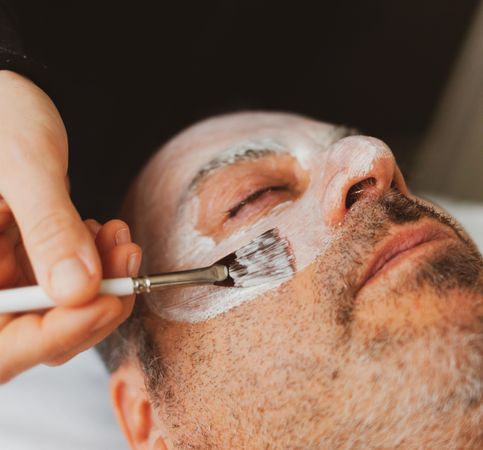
[187, 247]
[300, 222]
[304, 223]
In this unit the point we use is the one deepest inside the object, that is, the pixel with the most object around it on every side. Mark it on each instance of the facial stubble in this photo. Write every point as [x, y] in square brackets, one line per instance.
[413, 385]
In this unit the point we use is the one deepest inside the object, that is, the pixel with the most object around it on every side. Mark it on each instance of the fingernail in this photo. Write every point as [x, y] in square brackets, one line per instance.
[133, 263]
[123, 236]
[68, 276]
[106, 319]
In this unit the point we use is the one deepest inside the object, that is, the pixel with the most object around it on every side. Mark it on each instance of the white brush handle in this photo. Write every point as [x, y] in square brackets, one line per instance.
[34, 297]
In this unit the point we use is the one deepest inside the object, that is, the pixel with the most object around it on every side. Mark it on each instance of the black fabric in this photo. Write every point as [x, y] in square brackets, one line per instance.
[12, 54]
[128, 75]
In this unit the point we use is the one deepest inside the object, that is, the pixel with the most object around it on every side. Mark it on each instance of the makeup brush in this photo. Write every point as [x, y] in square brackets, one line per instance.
[267, 258]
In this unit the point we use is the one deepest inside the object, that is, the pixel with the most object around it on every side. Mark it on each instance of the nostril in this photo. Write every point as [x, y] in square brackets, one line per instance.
[356, 192]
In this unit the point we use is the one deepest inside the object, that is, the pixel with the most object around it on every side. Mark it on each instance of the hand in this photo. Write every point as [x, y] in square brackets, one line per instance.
[54, 336]
[61, 253]
[33, 184]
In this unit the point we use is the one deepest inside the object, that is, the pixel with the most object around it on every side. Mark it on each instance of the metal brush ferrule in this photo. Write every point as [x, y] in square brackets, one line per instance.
[141, 285]
[205, 275]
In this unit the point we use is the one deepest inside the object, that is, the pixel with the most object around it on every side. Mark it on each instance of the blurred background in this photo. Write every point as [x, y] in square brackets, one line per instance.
[131, 75]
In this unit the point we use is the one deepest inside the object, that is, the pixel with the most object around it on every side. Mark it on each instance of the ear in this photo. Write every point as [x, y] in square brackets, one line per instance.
[133, 409]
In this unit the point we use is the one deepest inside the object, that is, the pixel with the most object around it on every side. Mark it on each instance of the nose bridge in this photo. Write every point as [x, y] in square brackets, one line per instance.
[353, 160]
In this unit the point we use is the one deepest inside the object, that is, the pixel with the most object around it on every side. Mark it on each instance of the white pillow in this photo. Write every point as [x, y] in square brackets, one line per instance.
[61, 408]
[468, 214]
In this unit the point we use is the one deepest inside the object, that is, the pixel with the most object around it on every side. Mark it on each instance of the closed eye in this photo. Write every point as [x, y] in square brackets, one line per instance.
[241, 193]
[232, 212]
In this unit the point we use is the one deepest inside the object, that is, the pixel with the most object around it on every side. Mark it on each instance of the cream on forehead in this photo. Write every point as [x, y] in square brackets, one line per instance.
[264, 143]
[234, 152]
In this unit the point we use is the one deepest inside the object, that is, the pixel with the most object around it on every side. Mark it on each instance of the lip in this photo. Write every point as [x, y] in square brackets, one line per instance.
[402, 245]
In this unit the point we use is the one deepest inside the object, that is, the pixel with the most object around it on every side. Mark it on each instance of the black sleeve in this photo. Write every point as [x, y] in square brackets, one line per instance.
[12, 54]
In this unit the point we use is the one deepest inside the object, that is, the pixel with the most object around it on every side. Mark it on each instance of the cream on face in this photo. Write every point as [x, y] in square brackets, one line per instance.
[317, 155]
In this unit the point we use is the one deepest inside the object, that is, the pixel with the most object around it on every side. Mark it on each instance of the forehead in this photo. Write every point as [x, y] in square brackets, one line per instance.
[178, 163]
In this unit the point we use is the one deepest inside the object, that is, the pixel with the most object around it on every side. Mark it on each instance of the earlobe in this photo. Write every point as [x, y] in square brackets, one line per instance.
[133, 409]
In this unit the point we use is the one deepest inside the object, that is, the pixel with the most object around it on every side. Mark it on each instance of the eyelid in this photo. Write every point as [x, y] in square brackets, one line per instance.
[237, 194]
[232, 212]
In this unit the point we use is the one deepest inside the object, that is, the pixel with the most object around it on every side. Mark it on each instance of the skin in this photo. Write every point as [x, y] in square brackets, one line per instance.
[62, 332]
[325, 359]
[44, 241]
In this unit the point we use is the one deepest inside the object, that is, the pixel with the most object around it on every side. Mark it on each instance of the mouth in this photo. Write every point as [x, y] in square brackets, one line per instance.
[401, 246]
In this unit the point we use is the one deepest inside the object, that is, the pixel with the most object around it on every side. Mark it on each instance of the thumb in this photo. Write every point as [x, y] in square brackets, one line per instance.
[62, 252]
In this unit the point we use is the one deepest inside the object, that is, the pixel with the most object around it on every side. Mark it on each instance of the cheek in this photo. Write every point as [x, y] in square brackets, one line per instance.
[300, 223]
[283, 336]
[303, 226]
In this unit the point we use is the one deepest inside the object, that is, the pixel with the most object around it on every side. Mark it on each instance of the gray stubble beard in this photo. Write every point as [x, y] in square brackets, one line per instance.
[416, 388]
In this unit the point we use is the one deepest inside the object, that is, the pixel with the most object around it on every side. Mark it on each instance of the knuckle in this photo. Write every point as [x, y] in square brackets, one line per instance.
[56, 357]
[5, 376]
[58, 361]
[93, 226]
[127, 310]
[116, 223]
[59, 348]
[5, 319]
[50, 230]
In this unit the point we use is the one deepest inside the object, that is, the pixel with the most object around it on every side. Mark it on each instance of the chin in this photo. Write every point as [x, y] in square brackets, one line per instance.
[414, 390]
[416, 353]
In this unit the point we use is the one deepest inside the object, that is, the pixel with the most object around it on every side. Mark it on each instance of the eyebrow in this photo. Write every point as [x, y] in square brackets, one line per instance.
[247, 151]
[252, 150]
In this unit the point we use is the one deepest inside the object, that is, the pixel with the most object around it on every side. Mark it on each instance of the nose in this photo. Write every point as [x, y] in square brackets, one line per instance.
[357, 166]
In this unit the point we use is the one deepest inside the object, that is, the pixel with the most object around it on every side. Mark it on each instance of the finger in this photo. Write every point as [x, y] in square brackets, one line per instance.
[93, 340]
[93, 226]
[60, 248]
[95, 337]
[5, 319]
[8, 263]
[123, 260]
[6, 219]
[67, 183]
[3, 206]
[115, 232]
[12, 232]
[26, 276]
[56, 332]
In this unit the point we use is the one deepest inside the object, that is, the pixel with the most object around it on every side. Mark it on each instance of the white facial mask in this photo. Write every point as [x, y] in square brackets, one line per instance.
[301, 222]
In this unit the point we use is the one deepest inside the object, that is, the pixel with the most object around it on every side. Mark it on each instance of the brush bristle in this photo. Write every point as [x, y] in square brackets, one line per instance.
[267, 258]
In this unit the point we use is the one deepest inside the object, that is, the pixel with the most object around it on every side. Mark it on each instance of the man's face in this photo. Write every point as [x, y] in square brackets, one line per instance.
[376, 339]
